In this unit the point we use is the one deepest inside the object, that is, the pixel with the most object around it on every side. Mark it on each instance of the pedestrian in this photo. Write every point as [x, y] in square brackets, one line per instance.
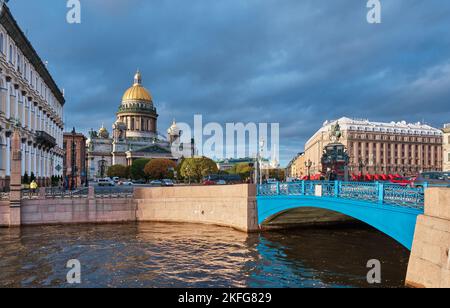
[33, 186]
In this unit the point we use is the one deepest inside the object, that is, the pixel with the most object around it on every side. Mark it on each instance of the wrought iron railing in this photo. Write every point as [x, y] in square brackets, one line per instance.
[58, 193]
[105, 192]
[380, 193]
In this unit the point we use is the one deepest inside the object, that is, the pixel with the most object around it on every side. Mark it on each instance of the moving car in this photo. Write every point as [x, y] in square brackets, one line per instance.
[432, 179]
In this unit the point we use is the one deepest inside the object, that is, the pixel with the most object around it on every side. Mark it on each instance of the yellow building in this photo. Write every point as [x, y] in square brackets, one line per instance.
[446, 148]
[296, 168]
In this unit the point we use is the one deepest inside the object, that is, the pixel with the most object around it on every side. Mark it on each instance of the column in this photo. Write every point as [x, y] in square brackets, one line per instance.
[393, 162]
[378, 156]
[8, 100]
[35, 161]
[29, 113]
[29, 148]
[16, 103]
[433, 158]
[8, 156]
[24, 103]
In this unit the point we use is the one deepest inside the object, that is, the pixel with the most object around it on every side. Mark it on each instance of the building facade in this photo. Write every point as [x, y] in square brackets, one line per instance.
[296, 167]
[31, 101]
[380, 148]
[135, 135]
[446, 147]
[75, 160]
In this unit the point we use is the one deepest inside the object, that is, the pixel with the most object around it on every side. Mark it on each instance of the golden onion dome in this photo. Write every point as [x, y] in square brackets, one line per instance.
[137, 92]
[103, 132]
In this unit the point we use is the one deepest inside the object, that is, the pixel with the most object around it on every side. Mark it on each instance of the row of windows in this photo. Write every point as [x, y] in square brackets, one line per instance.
[26, 70]
[397, 138]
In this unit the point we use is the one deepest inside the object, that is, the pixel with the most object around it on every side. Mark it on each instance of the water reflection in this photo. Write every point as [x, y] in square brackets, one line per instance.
[185, 255]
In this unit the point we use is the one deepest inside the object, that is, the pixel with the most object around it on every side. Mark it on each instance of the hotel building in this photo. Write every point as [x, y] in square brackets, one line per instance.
[377, 148]
[446, 147]
[31, 101]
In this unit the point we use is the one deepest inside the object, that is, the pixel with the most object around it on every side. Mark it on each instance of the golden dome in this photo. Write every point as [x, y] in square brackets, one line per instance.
[137, 92]
[103, 132]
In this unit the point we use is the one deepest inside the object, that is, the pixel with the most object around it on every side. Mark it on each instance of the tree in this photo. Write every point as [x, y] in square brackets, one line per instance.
[197, 168]
[159, 169]
[278, 174]
[242, 169]
[137, 169]
[32, 177]
[25, 179]
[120, 171]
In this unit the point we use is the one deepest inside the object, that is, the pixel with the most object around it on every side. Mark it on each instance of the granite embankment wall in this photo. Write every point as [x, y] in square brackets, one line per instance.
[232, 206]
[429, 265]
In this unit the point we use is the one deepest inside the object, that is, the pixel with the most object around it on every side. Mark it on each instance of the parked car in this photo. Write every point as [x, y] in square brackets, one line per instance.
[209, 182]
[221, 182]
[139, 182]
[432, 178]
[156, 183]
[126, 183]
[167, 183]
[106, 182]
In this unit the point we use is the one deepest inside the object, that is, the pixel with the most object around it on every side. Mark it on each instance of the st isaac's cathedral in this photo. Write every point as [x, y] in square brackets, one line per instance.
[135, 135]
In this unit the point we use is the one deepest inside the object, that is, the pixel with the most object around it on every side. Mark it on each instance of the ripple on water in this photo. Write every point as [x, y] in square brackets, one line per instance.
[185, 255]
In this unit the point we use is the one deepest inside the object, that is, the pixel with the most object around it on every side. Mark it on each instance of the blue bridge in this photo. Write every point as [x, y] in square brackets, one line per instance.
[390, 208]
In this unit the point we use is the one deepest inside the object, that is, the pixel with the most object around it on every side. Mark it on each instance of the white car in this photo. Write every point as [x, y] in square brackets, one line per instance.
[106, 182]
[126, 183]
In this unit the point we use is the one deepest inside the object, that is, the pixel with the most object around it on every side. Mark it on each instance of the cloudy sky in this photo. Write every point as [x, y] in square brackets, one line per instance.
[294, 62]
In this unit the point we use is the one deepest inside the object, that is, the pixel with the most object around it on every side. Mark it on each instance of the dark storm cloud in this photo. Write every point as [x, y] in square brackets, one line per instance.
[296, 62]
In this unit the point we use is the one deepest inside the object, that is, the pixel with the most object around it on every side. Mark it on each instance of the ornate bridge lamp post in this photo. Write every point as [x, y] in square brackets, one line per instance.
[362, 164]
[260, 154]
[308, 165]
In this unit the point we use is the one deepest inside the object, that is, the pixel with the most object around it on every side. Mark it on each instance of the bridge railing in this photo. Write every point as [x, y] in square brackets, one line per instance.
[381, 193]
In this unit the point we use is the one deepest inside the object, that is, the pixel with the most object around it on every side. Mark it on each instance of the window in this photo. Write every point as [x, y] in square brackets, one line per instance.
[2, 42]
[10, 54]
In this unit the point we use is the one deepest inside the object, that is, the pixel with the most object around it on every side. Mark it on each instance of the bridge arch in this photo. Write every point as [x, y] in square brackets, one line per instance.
[396, 222]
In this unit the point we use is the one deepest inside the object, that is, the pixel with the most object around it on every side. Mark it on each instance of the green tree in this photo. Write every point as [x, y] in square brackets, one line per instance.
[120, 171]
[159, 169]
[197, 168]
[26, 179]
[32, 177]
[242, 169]
[278, 174]
[137, 169]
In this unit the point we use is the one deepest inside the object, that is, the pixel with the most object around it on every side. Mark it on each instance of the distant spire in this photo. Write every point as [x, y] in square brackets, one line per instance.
[138, 78]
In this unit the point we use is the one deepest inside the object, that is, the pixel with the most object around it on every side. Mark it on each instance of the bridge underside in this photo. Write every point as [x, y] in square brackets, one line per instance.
[396, 222]
[307, 217]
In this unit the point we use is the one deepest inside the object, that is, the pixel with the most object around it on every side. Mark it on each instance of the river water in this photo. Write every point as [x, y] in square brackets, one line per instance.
[186, 255]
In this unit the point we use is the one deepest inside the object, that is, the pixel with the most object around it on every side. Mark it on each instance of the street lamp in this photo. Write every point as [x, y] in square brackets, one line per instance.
[308, 165]
[261, 152]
